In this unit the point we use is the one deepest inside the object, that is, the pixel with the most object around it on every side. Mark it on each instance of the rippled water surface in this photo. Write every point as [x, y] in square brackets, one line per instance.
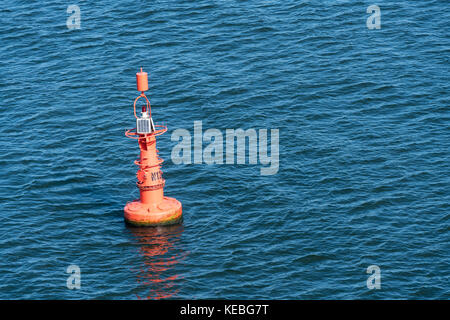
[363, 117]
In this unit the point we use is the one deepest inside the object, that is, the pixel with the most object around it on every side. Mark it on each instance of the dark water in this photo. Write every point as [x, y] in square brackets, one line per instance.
[364, 149]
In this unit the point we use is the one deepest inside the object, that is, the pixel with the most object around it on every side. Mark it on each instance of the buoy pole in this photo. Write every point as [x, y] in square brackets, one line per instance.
[153, 208]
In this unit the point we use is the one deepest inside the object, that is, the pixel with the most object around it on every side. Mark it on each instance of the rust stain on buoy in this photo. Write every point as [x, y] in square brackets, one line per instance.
[153, 208]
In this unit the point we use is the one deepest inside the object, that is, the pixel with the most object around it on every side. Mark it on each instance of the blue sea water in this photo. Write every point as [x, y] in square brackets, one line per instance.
[363, 117]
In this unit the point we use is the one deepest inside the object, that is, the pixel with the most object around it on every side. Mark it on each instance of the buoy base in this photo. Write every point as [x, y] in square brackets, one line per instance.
[167, 212]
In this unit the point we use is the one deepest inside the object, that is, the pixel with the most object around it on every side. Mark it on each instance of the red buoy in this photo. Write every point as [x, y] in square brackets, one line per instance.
[153, 208]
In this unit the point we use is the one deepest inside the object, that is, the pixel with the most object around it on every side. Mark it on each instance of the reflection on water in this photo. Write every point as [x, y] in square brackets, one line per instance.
[161, 251]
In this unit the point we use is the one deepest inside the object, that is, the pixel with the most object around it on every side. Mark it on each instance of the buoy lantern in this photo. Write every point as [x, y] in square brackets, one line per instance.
[153, 208]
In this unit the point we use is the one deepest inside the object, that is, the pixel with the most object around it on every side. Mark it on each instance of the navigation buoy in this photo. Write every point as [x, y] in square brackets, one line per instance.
[153, 208]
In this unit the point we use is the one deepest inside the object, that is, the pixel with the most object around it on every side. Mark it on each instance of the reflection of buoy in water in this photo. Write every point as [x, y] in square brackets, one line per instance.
[161, 251]
[153, 208]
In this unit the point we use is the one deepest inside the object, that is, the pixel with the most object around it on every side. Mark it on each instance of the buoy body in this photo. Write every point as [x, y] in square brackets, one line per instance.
[153, 208]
